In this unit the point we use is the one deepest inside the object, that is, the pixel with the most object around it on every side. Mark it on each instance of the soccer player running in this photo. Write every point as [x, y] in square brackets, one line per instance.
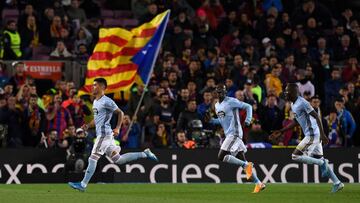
[233, 148]
[103, 108]
[309, 150]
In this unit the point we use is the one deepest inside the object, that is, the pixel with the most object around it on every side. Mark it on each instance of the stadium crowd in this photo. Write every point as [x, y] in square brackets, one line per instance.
[254, 47]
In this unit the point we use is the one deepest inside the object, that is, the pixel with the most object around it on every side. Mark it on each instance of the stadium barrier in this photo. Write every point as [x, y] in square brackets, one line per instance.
[176, 166]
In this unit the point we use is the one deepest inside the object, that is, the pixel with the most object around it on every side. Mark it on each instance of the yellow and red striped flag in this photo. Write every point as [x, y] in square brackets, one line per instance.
[124, 57]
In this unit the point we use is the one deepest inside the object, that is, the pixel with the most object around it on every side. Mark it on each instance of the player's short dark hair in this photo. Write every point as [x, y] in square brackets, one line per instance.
[164, 94]
[293, 85]
[101, 81]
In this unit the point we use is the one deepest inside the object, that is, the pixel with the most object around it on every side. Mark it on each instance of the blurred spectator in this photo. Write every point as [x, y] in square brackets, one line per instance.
[181, 102]
[60, 52]
[29, 37]
[132, 139]
[76, 13]
[47, 30]
[82, 55]
[332, 87]
[186, 116]
[221, 70]
[165, 110]
[321, 48]
[193, 73]
[239, 70]
[83, 37]
[93, 26]
[52, 141]
[345, 49]
[18, 79]
[204, 107]
[152, 11]
[77, 155]
[162, 137]
[8, 90]
[23, 18]
[4, 77]
[245, 25]
[12, 117]
[23, 96]
[212, 10]
[351, 70]
[58, 8]
[182, 142]
[347, 122]
[192, 87]
[209, 84]
[315, 9]
[231, 87]
[139, 8]
[34, 122]
[58, 117]
[230, 41]
[3, 123]
[91, 8]
[272, 81]
[78, 111]
[55, 28]
[12, 42]
[144, 106]
[267, 48]
[335, 140]
[304, 84]
[271, 110]
[256, 134]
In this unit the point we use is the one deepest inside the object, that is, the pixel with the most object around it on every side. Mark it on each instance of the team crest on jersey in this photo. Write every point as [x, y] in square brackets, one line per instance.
[221, 114]
[95, 111]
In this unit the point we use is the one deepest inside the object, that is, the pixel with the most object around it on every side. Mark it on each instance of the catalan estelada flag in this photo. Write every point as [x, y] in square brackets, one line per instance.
[124, 57]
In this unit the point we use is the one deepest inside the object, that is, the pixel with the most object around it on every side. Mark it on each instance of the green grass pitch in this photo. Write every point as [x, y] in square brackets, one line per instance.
[173, 193]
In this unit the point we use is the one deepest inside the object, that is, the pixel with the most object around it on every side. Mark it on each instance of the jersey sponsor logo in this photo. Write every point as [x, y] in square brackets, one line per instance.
[95, 111]
[221, 114]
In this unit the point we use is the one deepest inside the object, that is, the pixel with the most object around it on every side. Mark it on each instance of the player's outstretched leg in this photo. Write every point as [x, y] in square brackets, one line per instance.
[132, 156]
[259, 186]
[81, 186]
[337, 185]
[300, 157]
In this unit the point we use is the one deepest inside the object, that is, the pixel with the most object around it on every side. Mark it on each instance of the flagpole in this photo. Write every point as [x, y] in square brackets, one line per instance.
[148, 78]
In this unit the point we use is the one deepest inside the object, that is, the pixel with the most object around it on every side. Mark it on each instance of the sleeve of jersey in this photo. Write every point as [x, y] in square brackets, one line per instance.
[308, 107]
[242, 105]
[112, 105]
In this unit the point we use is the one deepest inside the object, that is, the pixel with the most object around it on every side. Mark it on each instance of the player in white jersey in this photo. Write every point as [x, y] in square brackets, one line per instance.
[103, 109]
[233, 148]
[309, 150]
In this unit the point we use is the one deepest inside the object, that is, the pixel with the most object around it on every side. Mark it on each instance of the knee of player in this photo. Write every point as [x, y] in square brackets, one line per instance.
[115, 156]
[294, 156]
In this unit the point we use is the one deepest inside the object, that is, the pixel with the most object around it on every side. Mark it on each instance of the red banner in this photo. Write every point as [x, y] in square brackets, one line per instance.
[44, 69]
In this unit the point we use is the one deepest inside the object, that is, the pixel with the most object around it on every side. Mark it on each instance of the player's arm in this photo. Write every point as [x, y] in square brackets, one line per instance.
[275, 134]
[242, 105]
[89, 125]
[323, 138]
[120, 118]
